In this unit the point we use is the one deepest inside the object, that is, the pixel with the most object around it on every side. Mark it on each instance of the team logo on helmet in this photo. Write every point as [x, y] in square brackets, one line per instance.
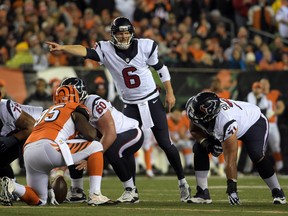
[79, 84]
[204, 106]
[209, 107]
[66, 94]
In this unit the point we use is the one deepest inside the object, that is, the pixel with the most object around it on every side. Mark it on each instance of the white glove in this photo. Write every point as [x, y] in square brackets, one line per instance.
[52, 198]
[234, 199]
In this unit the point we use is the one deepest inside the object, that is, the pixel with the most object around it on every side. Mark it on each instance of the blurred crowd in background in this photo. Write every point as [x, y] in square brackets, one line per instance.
[190, 33]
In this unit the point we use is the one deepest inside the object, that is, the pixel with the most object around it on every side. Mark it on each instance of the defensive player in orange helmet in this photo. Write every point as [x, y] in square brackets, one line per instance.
[51, 145]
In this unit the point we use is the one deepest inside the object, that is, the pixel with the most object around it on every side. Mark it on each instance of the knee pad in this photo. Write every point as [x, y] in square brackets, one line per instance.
[265, 168]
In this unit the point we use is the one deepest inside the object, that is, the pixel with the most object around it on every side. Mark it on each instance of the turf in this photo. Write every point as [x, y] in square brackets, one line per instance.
[160, 196]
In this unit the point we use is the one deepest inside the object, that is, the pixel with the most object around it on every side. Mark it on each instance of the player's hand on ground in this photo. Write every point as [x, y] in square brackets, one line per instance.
[234, 199]
[232, 192]
[52, 198]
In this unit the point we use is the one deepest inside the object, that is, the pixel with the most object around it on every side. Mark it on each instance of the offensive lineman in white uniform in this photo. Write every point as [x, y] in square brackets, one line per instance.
[128, 60]
[121, 138]
[16, 124]
[228, 121]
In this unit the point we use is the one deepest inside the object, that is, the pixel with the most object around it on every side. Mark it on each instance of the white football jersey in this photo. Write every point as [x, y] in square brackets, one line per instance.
[98, 107]
[10, 111]
[235, 115]
[34, 111]
[132, 77]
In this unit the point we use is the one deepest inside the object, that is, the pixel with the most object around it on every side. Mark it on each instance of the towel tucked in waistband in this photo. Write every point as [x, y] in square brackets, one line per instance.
[65, 151]
[145, 115]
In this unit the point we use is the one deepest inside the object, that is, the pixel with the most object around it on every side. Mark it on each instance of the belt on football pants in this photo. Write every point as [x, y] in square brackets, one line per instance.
[153, 92]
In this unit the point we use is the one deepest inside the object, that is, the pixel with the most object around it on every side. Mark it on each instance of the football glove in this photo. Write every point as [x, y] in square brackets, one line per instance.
[212, 146]
[52, 198]
[7, 142]
[232, 192]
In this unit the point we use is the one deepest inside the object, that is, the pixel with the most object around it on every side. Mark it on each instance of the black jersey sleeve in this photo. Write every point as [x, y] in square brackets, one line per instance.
[92, 54]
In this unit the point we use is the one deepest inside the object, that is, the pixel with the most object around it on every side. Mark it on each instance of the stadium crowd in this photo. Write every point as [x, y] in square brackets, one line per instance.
[190, 33]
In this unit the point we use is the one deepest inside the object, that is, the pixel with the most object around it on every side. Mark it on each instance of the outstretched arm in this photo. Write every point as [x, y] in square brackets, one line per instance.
[77, 50]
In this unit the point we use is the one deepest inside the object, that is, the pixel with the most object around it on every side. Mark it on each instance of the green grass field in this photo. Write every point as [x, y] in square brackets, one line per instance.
[160, 196]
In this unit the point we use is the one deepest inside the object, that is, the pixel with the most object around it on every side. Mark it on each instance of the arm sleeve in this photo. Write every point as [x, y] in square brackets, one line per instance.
[92, 54]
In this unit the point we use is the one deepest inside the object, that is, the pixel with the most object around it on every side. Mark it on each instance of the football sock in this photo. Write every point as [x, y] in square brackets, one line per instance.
[95, 184]
[201, 178]
[182, 181]
[77, 183]
[19, 189]
[30, 197]
[129, 183]
[272, 182]
[95, 164]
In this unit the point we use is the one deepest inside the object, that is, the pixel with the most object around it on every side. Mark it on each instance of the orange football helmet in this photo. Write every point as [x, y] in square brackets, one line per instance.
[66, 94]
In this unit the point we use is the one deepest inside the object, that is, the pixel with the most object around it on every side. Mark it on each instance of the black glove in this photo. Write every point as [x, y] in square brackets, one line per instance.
[212, 145]
[232, 192]
[7, 142]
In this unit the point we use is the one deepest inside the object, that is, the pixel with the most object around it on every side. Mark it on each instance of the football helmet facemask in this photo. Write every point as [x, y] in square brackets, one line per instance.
[79, 84]
[203, 107]
[121, 24]
[66, 94]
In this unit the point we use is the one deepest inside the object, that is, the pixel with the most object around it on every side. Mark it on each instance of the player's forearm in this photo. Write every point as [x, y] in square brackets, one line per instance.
[231, 170]
[107, 140]
[168, 87]
[78, 50]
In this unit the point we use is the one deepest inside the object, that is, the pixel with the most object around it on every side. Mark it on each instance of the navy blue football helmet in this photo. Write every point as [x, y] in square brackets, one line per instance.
[203, 107]
[79, 84]
[121, 24]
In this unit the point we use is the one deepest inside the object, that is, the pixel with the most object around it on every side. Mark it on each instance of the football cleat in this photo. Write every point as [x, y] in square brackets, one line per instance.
[75, 195]
[98, 199]
[129, 196]
[201, 196]
[278, 196]
[185, 193]
[7, 188]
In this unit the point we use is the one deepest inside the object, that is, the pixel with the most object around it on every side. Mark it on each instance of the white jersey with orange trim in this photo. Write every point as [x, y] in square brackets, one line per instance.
[10, 111]
[133, 78]
[234, 115]
[55, 123]
[99, 106]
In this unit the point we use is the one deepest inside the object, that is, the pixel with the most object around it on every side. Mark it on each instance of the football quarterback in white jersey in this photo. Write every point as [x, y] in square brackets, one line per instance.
[120, 136]
[15, 126]
[128, 60]
[227, 121]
